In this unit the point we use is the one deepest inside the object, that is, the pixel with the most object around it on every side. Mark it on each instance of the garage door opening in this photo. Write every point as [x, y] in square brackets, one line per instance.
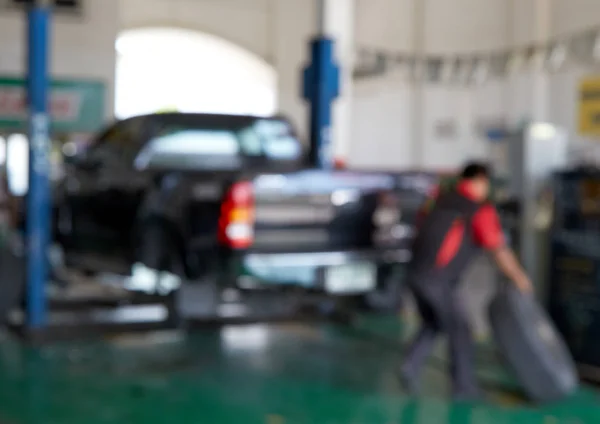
[169, 69]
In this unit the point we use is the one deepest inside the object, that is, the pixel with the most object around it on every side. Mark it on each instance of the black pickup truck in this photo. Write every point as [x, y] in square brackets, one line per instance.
[172, 197]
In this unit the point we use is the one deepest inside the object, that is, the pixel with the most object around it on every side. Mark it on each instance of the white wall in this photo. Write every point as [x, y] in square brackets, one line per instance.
[386, 24]
[386, 130]
[276, 30]
[380, 133]
[82, 46]
[462, 26]
[384, 107]
[243, 22]
[294, 25]
[233, 81]
[465, 25]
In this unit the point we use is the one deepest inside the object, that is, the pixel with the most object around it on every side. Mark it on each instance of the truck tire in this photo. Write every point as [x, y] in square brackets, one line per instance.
[531, 346]
[387, 299]
[157, 250]
[153, 247]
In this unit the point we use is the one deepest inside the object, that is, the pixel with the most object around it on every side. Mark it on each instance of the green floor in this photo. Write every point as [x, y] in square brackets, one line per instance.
[316, 374]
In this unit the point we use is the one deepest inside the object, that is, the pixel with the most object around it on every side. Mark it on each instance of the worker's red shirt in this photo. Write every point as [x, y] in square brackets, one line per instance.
[486, 229]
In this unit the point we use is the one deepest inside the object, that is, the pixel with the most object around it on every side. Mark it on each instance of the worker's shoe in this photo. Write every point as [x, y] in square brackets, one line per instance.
[408, 381]
[470, 396]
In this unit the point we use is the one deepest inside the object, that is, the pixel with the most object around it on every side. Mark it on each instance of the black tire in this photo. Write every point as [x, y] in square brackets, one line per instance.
[532, 347]
[153, 247]
[157, 249]
[387, 299]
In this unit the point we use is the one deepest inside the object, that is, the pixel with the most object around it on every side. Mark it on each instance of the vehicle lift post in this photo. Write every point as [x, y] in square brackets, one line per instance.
[321, 86]
[38, 196]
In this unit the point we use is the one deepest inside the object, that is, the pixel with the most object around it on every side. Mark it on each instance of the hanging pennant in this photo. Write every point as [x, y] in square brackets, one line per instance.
[583, 48]
[362, 58]
[370, 64]
[516, 62]
[462, 70]
[416, 69]
[403, 65]
[398, 59]
[479, 70]
[447, 70]
[529, 57]
[557, 56]
[433, 66]
[538, 60]
[468, 77]
[498, 66]
[451, 70]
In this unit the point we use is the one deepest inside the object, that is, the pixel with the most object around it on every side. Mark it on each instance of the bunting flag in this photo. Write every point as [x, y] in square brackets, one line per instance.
[582, 48]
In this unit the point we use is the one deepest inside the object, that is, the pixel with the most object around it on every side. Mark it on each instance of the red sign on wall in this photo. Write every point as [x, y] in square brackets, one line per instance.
[64, 105]
[74, 105]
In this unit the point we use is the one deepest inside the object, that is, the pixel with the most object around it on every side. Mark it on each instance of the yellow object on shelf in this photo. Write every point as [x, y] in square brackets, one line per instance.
[588, 100]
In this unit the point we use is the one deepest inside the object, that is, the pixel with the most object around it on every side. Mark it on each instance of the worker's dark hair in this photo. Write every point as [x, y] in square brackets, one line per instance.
[475, 170]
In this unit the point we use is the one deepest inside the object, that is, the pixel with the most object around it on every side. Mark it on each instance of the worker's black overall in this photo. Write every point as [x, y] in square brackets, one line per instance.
[435, 288]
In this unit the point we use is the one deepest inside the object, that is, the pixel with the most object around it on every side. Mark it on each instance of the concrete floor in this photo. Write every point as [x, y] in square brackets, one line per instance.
[254, 374]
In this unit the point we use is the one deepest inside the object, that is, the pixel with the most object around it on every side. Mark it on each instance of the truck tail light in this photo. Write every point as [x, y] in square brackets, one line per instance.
[236, 222]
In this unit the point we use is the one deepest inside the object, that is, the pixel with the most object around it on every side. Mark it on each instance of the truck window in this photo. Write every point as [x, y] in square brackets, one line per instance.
[187, 148]
[250, 142]
[118, 144]
[278, 140]
[282, 148]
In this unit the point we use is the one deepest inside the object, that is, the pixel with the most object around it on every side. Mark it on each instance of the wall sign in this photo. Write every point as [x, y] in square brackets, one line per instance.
[74, 105]
[589, 106]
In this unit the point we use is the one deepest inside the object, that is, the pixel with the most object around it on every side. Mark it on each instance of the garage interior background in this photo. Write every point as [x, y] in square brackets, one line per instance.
[395, 124]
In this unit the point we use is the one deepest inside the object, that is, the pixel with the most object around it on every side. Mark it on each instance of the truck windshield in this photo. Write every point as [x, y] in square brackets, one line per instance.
[189, 148]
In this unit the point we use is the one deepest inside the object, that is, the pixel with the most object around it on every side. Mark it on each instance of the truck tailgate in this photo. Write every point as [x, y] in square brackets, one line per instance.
[318, 210]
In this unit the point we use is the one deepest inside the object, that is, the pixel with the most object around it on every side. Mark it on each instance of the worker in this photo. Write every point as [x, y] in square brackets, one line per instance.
[457, 225]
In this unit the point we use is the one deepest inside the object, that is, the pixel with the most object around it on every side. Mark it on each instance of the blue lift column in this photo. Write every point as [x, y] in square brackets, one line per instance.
[321, 87]
[38, 196]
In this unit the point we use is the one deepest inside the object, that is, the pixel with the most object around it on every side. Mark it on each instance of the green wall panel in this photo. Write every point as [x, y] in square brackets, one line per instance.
[75, 105]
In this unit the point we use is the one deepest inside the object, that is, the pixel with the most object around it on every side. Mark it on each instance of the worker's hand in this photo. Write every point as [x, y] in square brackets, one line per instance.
[508, 264]
[524, 285]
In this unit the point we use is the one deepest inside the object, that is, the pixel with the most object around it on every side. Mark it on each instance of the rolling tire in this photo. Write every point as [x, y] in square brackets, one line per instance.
[532, 347]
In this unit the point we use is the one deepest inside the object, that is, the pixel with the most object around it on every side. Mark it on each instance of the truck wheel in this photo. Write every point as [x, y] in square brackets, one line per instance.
[158, 267]
[387, 299]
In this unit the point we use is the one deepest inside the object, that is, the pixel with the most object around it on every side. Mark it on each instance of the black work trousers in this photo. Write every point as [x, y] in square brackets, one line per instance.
[442, 311]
